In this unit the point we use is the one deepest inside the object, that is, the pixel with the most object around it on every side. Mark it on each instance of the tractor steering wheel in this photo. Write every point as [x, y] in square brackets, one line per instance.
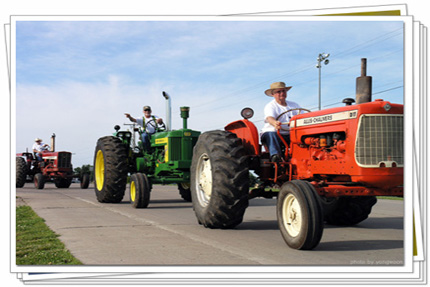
[155, 126]
[44, 148]
[161, 128]
[295, 109]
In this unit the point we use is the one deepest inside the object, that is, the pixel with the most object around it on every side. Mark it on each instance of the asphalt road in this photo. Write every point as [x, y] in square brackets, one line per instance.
[167, 232]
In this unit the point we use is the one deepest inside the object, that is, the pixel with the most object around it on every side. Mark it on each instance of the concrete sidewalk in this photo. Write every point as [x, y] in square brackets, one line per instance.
[117, 234]
[167, 233]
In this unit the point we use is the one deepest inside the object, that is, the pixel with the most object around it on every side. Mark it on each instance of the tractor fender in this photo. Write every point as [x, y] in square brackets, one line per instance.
[247, 131]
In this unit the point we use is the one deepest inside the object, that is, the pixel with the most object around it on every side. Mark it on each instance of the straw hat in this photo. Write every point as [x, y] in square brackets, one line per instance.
[37, 140]
[276, 86]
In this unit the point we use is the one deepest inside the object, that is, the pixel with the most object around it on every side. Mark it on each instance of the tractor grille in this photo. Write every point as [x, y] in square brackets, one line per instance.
[175, 149]
[379, 138]
[64, 160]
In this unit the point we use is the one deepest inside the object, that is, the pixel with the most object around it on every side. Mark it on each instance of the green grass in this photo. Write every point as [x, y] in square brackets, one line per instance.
[36, 244]
[390, 197]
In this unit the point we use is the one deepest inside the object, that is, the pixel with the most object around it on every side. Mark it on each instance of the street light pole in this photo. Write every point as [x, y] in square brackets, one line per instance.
[319, 87]
[321, 58]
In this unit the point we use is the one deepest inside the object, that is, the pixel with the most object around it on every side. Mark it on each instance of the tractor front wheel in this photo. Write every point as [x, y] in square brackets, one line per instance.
[219, 180]
[300, 215]
[351, 210]
[140, 190]
[110, 169]
[185, 191]
[39, 181]
[63, 182]
[85, 181]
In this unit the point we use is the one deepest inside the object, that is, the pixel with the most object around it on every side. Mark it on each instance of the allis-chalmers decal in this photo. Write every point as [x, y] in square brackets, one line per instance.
[327, 118]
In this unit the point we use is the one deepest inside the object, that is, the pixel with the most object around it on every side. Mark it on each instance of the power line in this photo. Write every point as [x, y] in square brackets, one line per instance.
[380, 92]
[378, 87]
[377, 39]
[350, 50]
[241, 91]
[355, 66]
[388, 90]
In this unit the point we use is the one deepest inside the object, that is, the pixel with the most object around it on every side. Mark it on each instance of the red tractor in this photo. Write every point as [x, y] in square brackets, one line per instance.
[337, 162]
[55, 166]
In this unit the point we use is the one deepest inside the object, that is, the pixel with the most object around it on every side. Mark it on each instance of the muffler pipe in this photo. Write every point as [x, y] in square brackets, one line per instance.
[53, 143]
[168, 111]
[363, 85]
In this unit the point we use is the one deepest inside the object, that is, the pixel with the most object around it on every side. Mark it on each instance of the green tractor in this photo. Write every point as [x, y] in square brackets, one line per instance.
[167, 162]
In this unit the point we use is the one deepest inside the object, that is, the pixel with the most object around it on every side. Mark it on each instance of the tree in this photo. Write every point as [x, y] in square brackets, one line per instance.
[86, 168]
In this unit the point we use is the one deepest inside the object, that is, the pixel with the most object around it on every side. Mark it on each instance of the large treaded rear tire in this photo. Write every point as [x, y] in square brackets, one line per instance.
[351, 210]
[219, 180]
[300, 215]
[110, 170]
[21, 172]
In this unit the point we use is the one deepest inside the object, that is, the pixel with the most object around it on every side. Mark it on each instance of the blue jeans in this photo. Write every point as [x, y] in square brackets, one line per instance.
[274, 143]
[146, 141]
[39, 156]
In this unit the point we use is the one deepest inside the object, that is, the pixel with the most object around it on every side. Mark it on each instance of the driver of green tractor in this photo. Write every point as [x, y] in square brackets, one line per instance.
[39, 147]
[149, 123]
[272, 123]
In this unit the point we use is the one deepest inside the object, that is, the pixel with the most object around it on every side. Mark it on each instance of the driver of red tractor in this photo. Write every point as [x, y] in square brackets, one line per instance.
[39, 147]
[272, 124]
[149, 123]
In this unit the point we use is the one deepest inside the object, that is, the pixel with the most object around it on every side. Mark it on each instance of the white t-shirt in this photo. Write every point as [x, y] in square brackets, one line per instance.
[39, 147]
[149, 122]
[273, 109]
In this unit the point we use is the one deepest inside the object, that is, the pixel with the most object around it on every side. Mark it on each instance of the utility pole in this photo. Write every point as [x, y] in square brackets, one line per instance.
[321, 58]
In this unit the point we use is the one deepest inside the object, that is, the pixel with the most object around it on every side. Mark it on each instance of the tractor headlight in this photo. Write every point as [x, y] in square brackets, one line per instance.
[247, 113]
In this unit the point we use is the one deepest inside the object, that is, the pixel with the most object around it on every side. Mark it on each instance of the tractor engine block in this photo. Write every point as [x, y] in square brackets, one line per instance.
[326, 146]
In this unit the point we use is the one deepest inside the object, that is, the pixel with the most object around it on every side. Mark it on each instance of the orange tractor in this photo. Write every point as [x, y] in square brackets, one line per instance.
[337, 162]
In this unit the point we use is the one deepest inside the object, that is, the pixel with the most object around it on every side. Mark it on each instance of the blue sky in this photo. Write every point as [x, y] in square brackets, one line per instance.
[77, 78]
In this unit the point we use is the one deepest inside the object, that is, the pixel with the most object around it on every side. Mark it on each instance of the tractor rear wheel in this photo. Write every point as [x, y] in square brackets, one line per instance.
[21, 172]
[219, 180]
[39, 181]
[110, 169]
[85, 181]
[185, 191]
[140, 190]
[351, 210]
[300, 215]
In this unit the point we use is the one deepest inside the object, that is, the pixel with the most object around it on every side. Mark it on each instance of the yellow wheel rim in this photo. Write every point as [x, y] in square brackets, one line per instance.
[185, 185]
[100, 170]
[132, 191]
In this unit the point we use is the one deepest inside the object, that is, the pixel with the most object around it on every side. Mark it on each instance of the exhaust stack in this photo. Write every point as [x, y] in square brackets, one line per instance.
[168, 111]
[53, 143]
[363, 92]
